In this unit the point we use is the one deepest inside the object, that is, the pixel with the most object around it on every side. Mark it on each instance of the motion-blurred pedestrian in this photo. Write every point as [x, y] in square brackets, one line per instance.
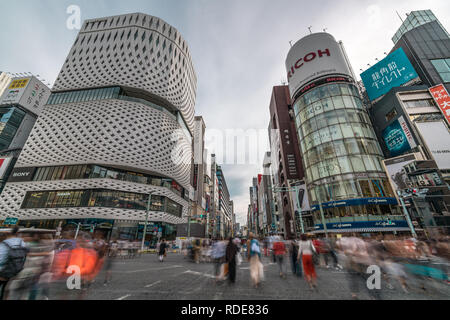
[254, 256]
[279, 250]
[230, 256]
[305, 251]
[162, 250]
[13, 253]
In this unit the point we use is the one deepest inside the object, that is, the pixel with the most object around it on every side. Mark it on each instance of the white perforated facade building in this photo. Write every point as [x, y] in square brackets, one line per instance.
[123, 102]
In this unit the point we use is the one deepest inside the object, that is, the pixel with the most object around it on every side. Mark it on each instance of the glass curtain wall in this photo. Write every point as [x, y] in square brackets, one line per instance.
[99, 198]
[338, 144]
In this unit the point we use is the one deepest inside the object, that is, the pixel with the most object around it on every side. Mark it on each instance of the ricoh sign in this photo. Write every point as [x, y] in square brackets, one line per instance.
[313, 57]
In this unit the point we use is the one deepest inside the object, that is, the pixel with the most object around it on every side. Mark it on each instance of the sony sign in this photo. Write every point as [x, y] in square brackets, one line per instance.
[315, 56]
[21, 174]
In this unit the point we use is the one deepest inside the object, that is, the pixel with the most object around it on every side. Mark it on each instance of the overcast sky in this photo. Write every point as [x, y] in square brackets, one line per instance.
[238, 48]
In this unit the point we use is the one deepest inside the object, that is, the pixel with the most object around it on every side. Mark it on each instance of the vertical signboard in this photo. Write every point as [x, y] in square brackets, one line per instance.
[392, 71]
[4, 164]
[442, 99]
[398, 137]
[28, 92]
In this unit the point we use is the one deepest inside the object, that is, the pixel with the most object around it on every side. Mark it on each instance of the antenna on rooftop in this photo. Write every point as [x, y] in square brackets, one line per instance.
[400, 16]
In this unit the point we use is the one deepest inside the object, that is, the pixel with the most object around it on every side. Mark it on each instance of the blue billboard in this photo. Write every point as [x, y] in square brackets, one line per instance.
[354, 202]
[392, 71]
[398, 137]
[394, 224]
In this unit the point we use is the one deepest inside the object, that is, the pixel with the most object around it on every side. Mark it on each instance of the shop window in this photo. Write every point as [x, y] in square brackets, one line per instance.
[365, 188]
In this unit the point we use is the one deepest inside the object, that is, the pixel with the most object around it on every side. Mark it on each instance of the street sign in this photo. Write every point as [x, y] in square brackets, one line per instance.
[11, 221]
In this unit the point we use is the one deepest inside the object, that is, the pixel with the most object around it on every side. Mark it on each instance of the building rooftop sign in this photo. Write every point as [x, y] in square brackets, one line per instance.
[393, 71]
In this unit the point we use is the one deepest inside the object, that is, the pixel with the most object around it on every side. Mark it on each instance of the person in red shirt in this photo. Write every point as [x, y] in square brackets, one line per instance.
[279, 250]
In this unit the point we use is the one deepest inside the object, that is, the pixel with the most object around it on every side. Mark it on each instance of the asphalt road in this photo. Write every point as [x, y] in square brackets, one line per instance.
[145, 278]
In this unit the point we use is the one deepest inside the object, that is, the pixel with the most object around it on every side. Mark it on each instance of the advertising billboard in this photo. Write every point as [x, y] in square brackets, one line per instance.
[30, 93]
[398, 137]
[442, 99]
[312, 57]
[392, 71]
[436, 136]
[395, 172]
[301, 198]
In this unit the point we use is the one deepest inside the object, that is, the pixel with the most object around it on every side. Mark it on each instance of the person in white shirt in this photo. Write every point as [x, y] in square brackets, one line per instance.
[305, 252]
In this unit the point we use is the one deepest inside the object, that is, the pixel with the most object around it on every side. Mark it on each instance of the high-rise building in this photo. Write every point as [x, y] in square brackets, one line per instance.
[287, 159]
[409, 122]
[20, 105]
[222, 208]
[426, 43]
[199, 172]
[5, 79]
[117, 128]
[225, 206]
[347, 185]
[253, 211]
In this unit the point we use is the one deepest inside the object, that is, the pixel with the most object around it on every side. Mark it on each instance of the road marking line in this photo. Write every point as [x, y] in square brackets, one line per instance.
[200, 274]
[151, 285]
[124, 297]
[152, 269]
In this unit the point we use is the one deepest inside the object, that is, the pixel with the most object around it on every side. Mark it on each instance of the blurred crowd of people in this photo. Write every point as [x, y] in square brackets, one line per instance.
[407, 261]
[31, 261]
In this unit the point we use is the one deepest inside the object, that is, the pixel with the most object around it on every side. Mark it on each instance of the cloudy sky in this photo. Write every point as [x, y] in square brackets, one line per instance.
[238, 48]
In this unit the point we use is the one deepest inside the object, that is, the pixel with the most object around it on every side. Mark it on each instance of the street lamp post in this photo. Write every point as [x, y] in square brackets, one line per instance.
[189, 220]
[146, 221]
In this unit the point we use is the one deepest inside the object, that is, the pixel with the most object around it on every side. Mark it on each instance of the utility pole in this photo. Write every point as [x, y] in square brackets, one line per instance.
[408, 219]
[189, 220]
[146, 221]
[322, 215]
[78, 229]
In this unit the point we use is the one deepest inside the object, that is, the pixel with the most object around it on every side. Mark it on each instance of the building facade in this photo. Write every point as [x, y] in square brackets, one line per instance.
[411, 125]
[21, 104]
[287, 160]
[117, 127]
[347, 185]
[426, 43]
[5, 79]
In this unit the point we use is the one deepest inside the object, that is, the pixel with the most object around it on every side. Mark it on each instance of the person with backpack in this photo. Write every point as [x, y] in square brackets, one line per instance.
[254, 256]
[13, 253]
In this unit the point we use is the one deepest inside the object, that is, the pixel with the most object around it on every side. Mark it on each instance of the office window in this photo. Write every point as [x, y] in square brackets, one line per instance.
[391, 115]
[419, 103]
[442, 66]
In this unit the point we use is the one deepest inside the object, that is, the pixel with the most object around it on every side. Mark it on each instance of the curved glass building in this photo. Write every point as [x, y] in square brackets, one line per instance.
[340, 152]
